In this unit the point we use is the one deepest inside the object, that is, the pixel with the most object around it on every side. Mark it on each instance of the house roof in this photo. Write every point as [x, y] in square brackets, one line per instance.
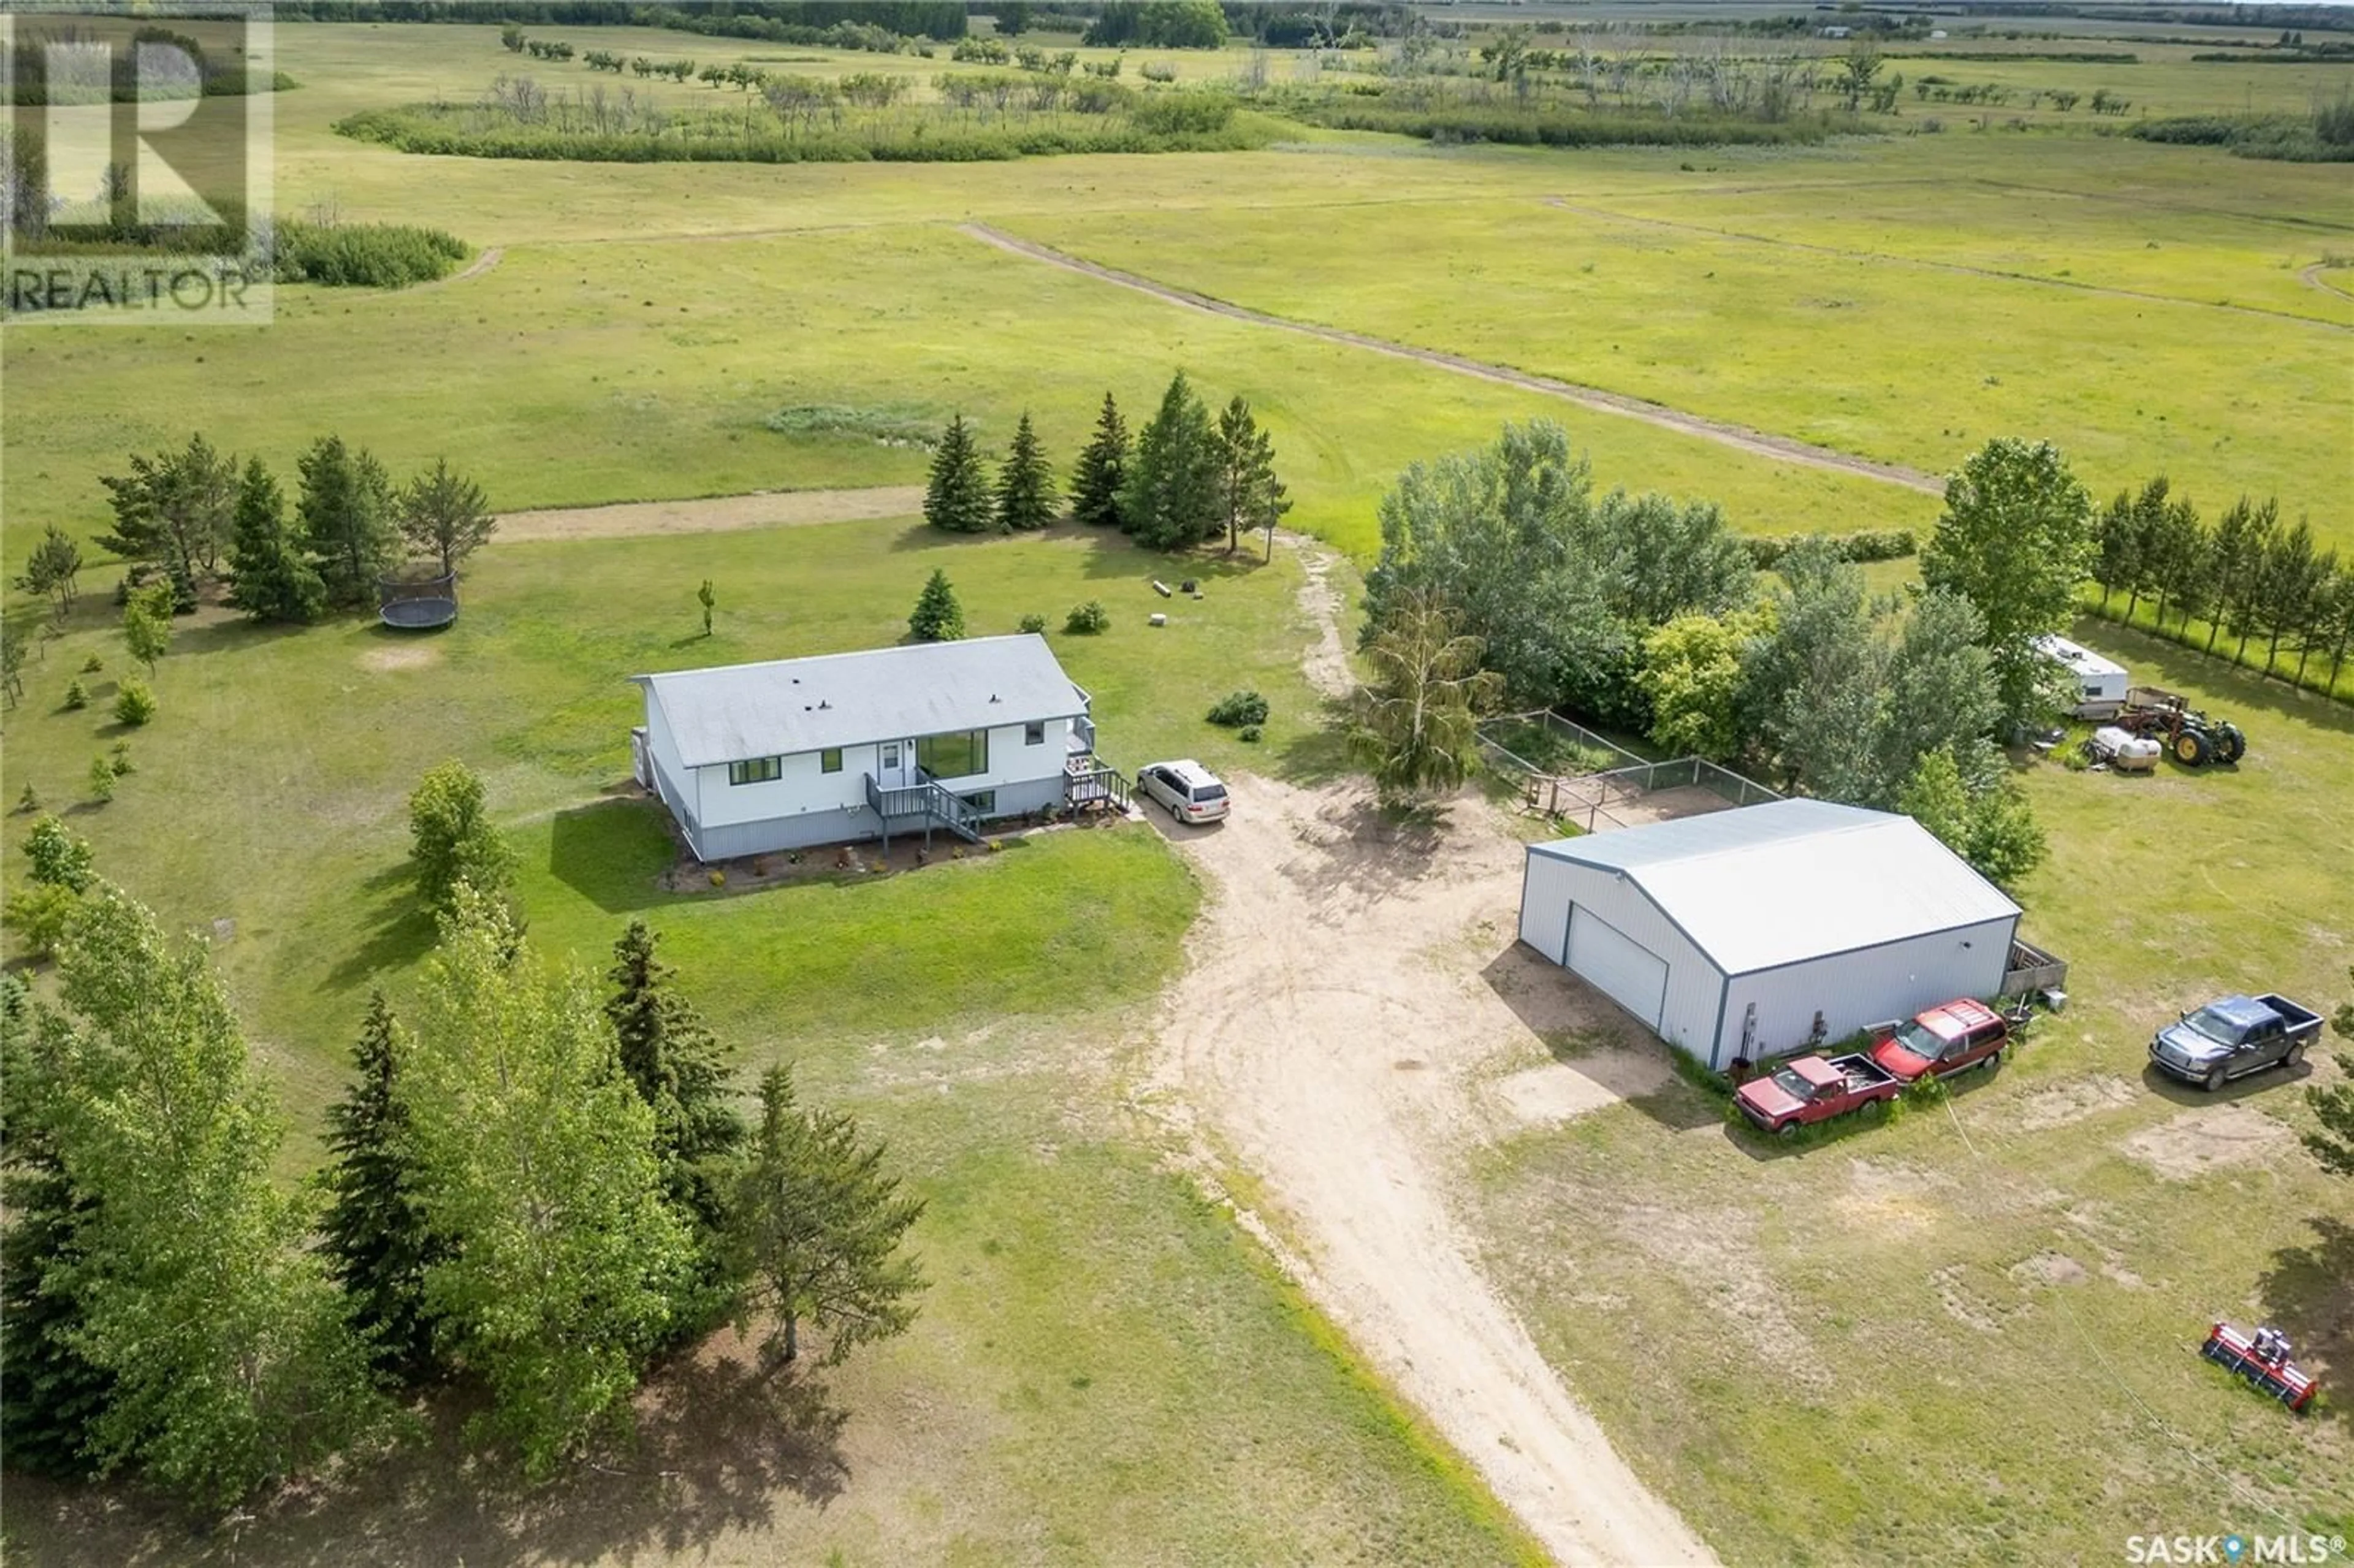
[734, 712]
[1778, 884]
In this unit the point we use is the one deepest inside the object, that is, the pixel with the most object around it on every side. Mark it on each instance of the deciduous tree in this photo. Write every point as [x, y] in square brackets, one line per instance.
[230, 1360]
[443, 516]
[1025, 485]
[956, 496]
[818, 1225]
[1937, 695]
[1415, 726]
[1102, 471]
[1812, 681]
[535, 1172]
[269, 579]
[453, 843]
[1691, 676]
[2015, 540]
[1990, 827]
[147, 623]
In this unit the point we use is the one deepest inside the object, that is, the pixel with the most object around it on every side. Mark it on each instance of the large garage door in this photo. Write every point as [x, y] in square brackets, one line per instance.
[1618, 967]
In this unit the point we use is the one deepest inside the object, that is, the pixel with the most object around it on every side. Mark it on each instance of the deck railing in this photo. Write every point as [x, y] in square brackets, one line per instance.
[928, 800]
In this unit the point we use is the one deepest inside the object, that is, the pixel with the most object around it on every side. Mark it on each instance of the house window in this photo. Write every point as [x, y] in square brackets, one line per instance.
[1034, 733]
[830, 760]
[981, 800]
[958, 755]
[758, 771]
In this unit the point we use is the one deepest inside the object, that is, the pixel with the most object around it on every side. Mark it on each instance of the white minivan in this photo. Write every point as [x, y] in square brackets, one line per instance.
[2099, 684]
[1190, 793]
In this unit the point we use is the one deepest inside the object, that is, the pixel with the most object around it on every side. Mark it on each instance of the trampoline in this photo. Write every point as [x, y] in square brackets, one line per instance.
[417, 604]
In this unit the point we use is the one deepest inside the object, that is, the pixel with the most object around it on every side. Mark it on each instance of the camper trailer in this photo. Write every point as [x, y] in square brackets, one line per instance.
[2100, 682]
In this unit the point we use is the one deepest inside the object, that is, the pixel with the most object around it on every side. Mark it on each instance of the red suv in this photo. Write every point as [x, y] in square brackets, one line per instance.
[1944, 1041]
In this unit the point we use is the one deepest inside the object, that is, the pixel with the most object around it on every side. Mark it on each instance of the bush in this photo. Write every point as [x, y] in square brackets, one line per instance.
[93, 665]
[77, 697]
[1872, 545]
[38, 913]
[1034, 625]
[30, 800]
[1088, 619]
[362, 255]
[101, 780]
[1239, 708]
[119, 759]
[1248, 735]
[1153, 70]
[134, 704]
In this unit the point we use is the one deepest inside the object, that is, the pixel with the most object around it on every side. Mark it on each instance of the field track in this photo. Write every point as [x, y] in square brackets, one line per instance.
[1565, 204]
[1779, 448]
[712, 514]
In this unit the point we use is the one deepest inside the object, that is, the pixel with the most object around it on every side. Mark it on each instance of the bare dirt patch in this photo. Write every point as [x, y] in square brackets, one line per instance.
[2071, 1102]
[2208, 1139]
[2048, 1269]
[712, 514]
[400, 656]
[1339, 944]
[1560, 1090]
[1892, 1197]
[1326, 663]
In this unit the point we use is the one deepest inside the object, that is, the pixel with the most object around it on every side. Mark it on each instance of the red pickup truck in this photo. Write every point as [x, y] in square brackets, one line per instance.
[1949, 1038]
[1800, 1093]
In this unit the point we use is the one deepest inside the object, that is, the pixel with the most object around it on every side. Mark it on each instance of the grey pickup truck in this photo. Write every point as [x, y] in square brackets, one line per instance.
[2234, 1036]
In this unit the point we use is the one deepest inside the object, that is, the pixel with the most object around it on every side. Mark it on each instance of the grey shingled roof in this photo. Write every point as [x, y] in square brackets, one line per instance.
[1767, 885]
[739, 711]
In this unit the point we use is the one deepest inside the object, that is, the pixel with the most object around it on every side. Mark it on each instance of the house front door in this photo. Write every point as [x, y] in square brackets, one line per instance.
[895, 766]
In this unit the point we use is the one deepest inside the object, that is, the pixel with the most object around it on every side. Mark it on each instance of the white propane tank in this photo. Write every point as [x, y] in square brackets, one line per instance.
[2125, 752]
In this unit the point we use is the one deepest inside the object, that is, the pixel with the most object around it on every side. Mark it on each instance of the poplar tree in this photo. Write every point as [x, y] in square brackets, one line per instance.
[453, 843]
[1102, 470]
[269, 579]
[956, 496]
[536, 1171]
[1025, 485]
[2015, 540]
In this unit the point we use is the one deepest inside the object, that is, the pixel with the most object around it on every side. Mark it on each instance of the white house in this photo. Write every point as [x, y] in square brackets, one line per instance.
[1732, 934]
[755, 758]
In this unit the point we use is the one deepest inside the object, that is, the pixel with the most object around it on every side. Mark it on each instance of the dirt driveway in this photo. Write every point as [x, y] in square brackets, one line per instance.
[1343, 991]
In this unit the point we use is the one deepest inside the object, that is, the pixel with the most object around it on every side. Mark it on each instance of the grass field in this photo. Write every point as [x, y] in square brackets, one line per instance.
[1971, 1338]
[1874, 1350]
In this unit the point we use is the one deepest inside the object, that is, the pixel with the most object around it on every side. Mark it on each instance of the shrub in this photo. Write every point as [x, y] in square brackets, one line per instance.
[30, 800]
[1035, 624]
[1872, 545]
[1248, 735]
[1088, 619]
[134, 704]
[362, 255]
[119, 759]
[719, 878]
[101, 780]
[1239, 708]
[56, 856]
[93, 665]
[1154, 71]
[77, 697]
[38, 913]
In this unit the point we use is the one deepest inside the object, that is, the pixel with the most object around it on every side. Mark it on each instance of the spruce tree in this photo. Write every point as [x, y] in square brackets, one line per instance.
[345, 509]
[939, 618]
[374, 1230]
[49, 1394]
[1025, 485]
[1253, 496]
[675, 1062]
[1102, 470]
[1171, 498]
[269, 579]
[956, 495]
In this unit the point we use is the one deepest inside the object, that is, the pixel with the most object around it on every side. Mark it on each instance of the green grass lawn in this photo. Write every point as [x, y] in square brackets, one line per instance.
[1107, 1368]
[1925, 1342]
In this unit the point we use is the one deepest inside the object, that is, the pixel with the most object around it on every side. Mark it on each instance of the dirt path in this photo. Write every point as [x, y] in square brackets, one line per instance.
[713, 513]
[1781, 448]
[1565, 204]
[1343, 991]
[490, 256]
[2311, 277]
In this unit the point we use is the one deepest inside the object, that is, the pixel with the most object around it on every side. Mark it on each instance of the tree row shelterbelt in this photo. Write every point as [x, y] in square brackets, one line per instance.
[955, 116]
